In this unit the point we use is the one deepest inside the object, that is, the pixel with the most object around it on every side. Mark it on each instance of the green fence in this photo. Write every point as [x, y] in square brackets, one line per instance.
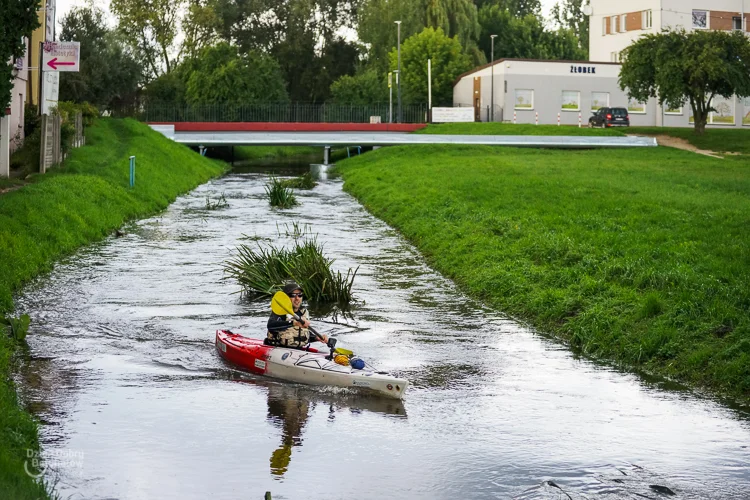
[283, 112]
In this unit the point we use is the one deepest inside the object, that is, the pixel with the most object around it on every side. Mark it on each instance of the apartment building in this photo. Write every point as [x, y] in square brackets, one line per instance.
[615, 25]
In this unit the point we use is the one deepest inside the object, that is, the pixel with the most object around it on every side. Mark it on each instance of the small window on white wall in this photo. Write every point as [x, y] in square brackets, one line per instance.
[700, 19]
[599, 100]
[604, 26]
[636, 107]
[623, 20]
[669, 110]
[571, 100]
[648, 21]
[613, 23]
[524, 99]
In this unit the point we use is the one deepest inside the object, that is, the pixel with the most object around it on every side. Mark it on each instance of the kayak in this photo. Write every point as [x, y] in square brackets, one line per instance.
[305, 366]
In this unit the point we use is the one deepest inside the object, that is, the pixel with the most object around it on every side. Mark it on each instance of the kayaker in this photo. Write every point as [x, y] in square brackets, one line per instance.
[285, 330]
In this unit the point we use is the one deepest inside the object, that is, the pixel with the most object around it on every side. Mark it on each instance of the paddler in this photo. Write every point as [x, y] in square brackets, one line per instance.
[285, 330]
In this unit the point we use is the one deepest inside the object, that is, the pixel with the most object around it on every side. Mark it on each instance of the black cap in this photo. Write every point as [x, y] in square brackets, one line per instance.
[290, 286]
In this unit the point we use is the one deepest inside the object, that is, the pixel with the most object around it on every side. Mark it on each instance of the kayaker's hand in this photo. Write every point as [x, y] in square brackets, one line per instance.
[323, 338]
[301, 324]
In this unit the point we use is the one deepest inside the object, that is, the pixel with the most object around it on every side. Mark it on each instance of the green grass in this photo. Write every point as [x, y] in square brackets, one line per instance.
[736, 140]
[304, 181]
[279, 195]
[640, 257]
[518, 129]
[275, 152]
[57, 213]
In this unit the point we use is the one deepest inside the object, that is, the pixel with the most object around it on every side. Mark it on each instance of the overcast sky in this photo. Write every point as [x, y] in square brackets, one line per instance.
[63, 6]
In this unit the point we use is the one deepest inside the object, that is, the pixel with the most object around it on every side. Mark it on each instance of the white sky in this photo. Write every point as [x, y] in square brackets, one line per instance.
[63, 6]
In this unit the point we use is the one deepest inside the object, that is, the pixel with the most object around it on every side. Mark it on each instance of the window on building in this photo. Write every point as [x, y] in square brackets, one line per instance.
[700, 19]
[604, 26]
[669, 110]
[613, 23]
[724, 114]
[623, 25]
[571, 100]
[648, 21]
[599, 100]
[524, 99]
[614, 57]
[746, 111]
[636, 107]
[737, 23]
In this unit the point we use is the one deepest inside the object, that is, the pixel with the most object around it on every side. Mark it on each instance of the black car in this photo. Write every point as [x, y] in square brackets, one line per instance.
[610, 117]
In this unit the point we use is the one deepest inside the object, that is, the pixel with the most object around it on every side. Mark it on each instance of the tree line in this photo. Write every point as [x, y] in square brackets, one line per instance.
[195, 52]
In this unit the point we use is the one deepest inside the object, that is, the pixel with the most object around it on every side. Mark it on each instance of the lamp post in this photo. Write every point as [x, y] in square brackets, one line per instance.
[398, 77]
[492, 79]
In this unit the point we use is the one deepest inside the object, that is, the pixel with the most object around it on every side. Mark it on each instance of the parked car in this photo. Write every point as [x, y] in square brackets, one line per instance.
[610, 117]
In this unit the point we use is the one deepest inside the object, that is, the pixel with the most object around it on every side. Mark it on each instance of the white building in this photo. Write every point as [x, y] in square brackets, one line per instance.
[524, 88]
[11, 125]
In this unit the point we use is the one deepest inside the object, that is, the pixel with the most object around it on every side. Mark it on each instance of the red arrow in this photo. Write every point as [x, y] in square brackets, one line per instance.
[54, 63]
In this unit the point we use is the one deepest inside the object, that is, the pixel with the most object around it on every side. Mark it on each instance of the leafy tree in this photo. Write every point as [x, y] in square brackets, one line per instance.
[569, 15]
[524, 37]
[18, 18]
[376, 27]
[222, 75]
[517, 8]
[678, 67]
[448, 62]
[365, 87]
[109, 75]
[151, 28]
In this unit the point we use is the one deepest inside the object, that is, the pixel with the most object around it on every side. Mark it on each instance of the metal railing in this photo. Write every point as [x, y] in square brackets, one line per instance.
[279, 112]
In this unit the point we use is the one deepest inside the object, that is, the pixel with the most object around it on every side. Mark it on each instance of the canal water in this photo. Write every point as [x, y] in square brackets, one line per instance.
[135, 403]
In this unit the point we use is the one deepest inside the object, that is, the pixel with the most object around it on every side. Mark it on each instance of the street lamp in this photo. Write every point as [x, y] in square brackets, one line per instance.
[398, 77]
[492, 84]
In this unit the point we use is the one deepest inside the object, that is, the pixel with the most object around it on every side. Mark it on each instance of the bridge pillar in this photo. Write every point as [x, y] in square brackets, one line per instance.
[326, 154]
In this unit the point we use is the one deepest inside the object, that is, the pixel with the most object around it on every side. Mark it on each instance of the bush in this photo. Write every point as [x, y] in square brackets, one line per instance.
[279, 195]
[304, 181]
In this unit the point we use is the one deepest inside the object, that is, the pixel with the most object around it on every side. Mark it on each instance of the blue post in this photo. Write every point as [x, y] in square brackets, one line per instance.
[347, 152]
[359, 150]
[132, 171]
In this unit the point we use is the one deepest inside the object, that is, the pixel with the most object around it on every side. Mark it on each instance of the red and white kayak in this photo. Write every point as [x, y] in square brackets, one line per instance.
[303, 366]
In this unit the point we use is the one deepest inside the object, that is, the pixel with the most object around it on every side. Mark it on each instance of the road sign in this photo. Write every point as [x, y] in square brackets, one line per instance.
[60, 56]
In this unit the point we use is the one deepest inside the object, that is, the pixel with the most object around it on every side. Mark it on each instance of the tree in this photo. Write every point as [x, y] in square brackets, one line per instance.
[570, 16]
[517, 8]
[151, 28]
[222, 75]
[448, 62]
[364, 88]
[109, 75]
[18, 18]
[678, 67]
[376, 27]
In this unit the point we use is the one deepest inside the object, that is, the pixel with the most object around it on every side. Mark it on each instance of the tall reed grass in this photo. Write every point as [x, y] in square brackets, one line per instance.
[279, 195]
[262, 271]
[304, 181]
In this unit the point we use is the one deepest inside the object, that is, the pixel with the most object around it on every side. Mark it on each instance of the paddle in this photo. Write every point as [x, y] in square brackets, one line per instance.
[281, 304]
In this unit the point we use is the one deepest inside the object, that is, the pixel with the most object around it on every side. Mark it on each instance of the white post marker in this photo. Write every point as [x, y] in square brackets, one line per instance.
[558, 119]
[580, 120]
[61, 56]
[429, 88]
[514, 118]
[537, 117]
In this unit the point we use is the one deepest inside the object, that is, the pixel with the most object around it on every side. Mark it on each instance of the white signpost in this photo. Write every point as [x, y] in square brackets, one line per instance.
[60, 56]
[446, 115]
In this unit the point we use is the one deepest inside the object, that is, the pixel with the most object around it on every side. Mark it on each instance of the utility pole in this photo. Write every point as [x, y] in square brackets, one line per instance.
[390, 97]
[492, 80]
[398, 76]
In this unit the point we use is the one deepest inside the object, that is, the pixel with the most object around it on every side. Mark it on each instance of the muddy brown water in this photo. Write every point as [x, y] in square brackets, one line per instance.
[135, 403]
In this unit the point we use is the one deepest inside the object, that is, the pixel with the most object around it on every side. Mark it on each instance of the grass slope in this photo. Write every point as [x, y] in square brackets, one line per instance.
[641, 257]
[81, 202]
[736, 140]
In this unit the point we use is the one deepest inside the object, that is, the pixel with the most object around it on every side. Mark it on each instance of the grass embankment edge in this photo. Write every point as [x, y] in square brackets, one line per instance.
[81, 202]
[637, 258]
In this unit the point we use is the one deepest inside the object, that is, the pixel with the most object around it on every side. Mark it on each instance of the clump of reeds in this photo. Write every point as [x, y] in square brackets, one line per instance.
[262, 271]
[220, 203]
[304, 181]
[279, 195]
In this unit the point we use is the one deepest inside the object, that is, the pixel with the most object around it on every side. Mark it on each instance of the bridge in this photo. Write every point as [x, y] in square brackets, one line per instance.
[327, 135]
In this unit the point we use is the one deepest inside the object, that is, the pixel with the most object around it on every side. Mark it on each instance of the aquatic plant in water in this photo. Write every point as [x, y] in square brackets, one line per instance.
[304, 181]
[279, 195]
[263, 270]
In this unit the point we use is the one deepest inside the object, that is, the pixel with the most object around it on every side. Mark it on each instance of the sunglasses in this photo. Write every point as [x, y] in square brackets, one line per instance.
[296, 295]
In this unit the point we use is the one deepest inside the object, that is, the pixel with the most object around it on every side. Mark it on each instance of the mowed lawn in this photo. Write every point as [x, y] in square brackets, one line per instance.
[639, 256]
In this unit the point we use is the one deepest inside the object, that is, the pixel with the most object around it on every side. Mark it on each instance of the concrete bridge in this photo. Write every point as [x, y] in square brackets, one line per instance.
[327, 135]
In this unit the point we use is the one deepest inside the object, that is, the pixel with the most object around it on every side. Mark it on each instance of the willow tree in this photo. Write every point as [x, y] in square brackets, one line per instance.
[678, 67]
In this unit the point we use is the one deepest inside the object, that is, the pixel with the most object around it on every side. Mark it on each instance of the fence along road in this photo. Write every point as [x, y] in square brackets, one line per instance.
[325, 139]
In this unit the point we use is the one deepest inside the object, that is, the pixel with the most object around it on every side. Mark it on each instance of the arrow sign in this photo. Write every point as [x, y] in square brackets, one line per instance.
[60, 56]
[54, 63]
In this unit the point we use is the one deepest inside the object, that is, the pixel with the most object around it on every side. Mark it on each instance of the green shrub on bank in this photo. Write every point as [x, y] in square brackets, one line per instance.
[639, 256]
[305, 181]
[262, 271]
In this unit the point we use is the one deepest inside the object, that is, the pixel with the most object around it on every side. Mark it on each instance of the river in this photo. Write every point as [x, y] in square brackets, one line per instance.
[135, 403]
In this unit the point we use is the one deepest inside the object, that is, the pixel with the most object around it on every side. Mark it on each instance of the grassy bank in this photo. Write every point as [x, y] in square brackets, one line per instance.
[641, 257]
[735, 140]
[81, 202]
